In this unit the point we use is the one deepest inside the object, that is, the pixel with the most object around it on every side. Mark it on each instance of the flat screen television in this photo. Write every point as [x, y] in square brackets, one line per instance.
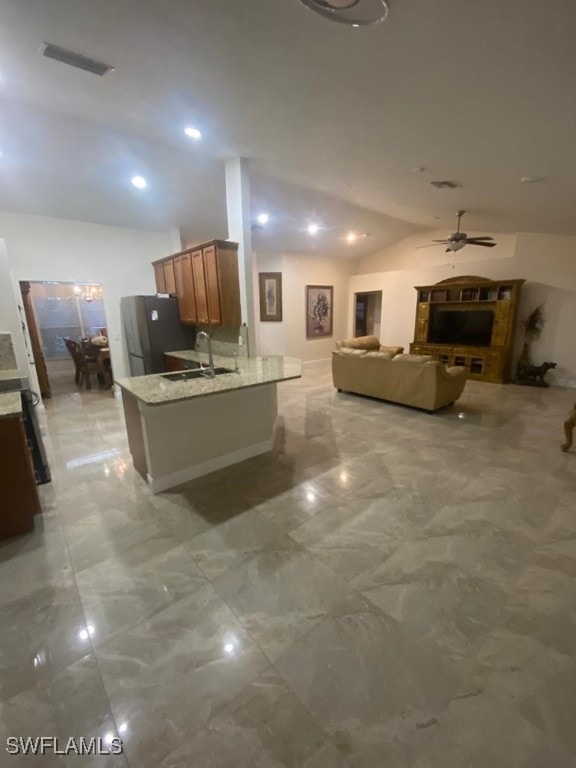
[470, 327]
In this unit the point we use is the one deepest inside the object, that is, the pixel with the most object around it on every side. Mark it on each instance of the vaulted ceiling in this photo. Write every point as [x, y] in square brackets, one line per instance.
[343, 126]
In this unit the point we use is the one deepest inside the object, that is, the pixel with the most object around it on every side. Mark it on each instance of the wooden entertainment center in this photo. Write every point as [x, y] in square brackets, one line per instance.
[482, 339]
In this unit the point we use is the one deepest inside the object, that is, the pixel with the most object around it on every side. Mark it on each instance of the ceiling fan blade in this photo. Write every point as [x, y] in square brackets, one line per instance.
[486, 245]
[480, 237]
[441, 241]
[430, 244]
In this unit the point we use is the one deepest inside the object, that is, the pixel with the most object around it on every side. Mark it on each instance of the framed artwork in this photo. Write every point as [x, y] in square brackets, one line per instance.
[319, 301]
[270, 296]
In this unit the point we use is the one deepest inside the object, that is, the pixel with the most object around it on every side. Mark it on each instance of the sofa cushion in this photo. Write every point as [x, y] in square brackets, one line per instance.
[355, 352]
[413, 358]
[394, 350]
[383, 355]
[362, 342]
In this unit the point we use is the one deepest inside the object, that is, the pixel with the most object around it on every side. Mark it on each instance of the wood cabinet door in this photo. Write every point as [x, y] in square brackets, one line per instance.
[212, 285]
[188, 289]
[172, 363]
[200, 287]
[422, 316]
[159, 278]
[169, 276]
[178, 277]
[502, 324]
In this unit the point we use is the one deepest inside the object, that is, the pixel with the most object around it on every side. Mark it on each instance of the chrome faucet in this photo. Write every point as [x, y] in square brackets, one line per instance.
[204, 335]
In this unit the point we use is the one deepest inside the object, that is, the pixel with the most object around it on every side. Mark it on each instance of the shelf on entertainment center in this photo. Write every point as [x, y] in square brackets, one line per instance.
[457, 308]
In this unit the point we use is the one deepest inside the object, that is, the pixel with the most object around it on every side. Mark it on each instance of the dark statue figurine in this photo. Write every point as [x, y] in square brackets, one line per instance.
[533, 375]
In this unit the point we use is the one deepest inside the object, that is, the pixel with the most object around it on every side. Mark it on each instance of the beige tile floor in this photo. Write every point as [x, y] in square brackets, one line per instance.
[386, 589]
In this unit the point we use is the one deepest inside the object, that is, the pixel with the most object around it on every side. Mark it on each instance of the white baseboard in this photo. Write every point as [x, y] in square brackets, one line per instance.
[564, 383]
[159, 484]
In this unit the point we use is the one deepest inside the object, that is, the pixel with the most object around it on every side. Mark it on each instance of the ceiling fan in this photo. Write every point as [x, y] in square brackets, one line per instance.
[458, 240]
[356, 13]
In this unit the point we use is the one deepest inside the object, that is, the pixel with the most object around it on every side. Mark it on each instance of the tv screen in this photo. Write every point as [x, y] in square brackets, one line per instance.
[472, 327]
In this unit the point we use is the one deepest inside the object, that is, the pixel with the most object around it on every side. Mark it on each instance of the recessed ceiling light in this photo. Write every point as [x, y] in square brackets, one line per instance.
[193, 133]
[351, 237]
[263, 218]
[313, 229]
[532, 179]
[139, 182]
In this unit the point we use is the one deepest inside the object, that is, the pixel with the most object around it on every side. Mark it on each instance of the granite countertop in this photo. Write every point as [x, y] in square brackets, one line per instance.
[9, 373]
[10, 404]
[252, 372]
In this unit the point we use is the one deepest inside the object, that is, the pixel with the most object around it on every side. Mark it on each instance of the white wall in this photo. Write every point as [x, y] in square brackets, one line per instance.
[42, 248]
[298, 271]
[9, 315]
[269, 335]
[546, 262]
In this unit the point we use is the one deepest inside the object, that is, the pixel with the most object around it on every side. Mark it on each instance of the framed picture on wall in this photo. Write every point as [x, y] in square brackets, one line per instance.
[270, 296]
[319, 303]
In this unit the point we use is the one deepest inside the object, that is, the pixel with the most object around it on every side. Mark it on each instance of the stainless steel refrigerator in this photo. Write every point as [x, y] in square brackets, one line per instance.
[152, 327]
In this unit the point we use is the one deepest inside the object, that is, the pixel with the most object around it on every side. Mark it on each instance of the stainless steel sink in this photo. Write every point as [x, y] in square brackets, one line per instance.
[194, 374]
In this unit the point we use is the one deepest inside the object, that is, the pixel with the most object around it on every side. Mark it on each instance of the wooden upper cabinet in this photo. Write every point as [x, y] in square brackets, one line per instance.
[169, 276]
[228, 283]
[212, 285]
[205, 279]
[159, 278]
[200, 292]
[185, 289]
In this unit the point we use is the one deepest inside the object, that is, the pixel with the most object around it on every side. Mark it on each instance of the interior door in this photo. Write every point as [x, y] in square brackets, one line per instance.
[37, 351]
[361, 317]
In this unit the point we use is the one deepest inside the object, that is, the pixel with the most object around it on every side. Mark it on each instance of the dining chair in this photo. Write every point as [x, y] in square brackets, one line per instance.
[84, 365]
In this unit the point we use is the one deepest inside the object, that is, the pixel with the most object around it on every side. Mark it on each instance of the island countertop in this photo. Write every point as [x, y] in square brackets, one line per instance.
[10, 404]
[252, 372]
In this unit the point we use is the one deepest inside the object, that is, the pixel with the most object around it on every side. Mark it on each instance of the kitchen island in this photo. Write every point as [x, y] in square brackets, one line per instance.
[182, 429]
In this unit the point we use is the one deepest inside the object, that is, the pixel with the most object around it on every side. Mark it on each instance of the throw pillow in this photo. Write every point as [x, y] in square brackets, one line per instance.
[355, 352]
[394, 350]
[362, 342]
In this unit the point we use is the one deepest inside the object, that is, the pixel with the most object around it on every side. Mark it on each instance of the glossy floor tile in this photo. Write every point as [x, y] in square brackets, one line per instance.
[385, 588]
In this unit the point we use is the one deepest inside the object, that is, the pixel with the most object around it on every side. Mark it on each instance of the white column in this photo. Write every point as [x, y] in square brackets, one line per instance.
[175, 239]
[239, 231]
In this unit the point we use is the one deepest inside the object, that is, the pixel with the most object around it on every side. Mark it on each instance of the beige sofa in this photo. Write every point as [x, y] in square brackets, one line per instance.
[364, 367]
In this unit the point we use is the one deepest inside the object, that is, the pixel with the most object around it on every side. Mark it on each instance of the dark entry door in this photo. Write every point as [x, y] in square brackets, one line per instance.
[360, 327]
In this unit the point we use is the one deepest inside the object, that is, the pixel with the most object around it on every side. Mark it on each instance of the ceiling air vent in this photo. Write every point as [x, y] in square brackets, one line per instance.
[75, 59]
[445, 184]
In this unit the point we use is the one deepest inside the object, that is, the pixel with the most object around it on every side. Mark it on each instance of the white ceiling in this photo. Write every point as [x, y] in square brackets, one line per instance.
[333, 118]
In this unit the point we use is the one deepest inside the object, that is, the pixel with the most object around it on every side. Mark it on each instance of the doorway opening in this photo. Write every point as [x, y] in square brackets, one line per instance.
[367, 313]
[58, 313]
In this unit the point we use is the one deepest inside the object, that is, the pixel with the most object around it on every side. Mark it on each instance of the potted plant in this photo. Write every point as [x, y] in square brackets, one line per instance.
[533, 326]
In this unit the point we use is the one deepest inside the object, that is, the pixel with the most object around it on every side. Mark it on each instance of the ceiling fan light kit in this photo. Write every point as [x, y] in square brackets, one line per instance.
[457, 240]
[355, 13]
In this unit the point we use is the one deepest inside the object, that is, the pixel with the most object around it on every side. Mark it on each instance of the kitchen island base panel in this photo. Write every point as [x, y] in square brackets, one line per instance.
[190, 438]
[159, 484]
